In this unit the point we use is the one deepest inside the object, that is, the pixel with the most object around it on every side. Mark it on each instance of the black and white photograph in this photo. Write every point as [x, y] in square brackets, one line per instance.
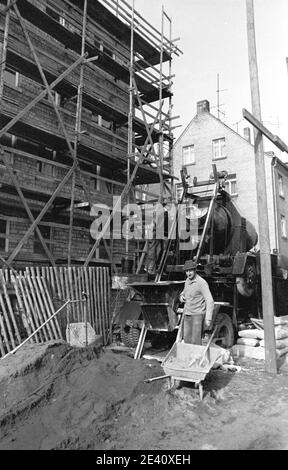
[143, 228]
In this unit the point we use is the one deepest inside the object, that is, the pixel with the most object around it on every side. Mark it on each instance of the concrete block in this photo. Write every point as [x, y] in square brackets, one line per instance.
[76, 335]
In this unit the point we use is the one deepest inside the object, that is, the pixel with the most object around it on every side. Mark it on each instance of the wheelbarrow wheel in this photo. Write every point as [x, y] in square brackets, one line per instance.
[129, 334]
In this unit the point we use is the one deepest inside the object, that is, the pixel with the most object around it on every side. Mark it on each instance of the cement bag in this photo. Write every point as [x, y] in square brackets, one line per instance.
[282, 352]
[281, 320]
[248, 341]
[254, 334]
[280, 343]
[281, 331]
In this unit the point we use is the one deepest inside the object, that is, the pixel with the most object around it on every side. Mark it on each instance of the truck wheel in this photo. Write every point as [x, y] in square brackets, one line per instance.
[246, 284]
[225, 331]
[129, 334]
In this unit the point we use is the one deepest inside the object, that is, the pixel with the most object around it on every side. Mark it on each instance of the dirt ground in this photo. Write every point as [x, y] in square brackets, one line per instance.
[56, 397]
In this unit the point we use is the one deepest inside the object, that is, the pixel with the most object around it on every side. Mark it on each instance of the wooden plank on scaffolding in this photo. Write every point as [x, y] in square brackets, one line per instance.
[79, 293]
[27, 284]
[52, 309]
[56, 275]
[3, 334]
[83, 291]
[41, 305]
[7, 322]
[98, 321]
[109, 300]
[106, 320]
[52, 281]
[24, 312]
[2, 350]
[75, 281]
[64, 274]
[9, 306]
[62, 284]
[91, 297]
[89, 303]
[96, 315]
[49, 310]
[29, 302]
[102, 296]
[99, 301]
[68, 273]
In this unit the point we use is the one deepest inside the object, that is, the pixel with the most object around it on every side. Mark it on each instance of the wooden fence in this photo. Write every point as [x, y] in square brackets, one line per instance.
[28, 298]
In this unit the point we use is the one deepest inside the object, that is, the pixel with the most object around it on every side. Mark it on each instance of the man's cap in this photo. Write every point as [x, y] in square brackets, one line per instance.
[190, 265]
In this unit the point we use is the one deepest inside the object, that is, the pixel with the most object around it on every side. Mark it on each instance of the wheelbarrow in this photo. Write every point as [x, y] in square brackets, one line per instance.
[190, 362]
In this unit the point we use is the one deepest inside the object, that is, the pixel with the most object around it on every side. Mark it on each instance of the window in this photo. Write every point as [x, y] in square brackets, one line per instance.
[11, 77]
[231, 187]
[46, 234]
[188, 155]
[219, 148]
[4, 234]
[281, 186]
[283, 226]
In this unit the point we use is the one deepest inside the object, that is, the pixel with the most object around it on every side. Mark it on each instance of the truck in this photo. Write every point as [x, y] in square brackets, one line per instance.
[227, 256]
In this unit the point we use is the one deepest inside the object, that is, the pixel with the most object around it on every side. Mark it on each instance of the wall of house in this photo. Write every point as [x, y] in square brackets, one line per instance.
[280, 172]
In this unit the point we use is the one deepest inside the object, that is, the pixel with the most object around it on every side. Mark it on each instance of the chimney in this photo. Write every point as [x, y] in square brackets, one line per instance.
[203, 106]
[247, 134]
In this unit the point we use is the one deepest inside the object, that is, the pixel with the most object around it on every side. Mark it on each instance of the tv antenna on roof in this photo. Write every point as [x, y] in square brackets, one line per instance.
[218, 97]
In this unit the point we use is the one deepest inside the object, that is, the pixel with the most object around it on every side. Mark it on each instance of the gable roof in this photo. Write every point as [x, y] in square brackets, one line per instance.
[216, 119]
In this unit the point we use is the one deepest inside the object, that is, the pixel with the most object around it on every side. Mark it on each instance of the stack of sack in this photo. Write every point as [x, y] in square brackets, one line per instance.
[251, 342]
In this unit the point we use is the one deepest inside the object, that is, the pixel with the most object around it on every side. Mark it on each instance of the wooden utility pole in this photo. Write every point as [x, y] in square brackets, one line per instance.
[264, 240]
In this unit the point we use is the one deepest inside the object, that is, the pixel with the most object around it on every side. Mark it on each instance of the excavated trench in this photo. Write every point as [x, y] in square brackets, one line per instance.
[57, 397]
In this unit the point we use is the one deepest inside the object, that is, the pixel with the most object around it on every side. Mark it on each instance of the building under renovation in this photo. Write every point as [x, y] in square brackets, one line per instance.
[86, 116]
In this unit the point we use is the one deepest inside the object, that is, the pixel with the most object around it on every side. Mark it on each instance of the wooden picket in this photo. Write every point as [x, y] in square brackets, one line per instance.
[28, 298]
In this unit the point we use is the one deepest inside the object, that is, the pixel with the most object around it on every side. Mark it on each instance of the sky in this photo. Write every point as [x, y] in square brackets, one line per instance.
[213, 38]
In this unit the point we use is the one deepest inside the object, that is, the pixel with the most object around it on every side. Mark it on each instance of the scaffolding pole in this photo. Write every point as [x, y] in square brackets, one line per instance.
[4, 51]
[77, 133]
[130, 119]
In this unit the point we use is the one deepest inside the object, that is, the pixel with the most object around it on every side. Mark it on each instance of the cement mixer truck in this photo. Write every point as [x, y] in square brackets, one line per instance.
[224, 248]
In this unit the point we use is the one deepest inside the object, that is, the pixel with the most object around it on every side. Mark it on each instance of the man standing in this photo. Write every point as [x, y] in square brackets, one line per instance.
[199, 304]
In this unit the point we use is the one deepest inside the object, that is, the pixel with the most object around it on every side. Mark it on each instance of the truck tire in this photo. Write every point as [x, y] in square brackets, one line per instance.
[129, 334]
[246, 284]
[225, 333]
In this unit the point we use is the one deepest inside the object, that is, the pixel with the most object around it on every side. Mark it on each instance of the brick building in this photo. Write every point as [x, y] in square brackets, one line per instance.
[48, 37]
[206, 141]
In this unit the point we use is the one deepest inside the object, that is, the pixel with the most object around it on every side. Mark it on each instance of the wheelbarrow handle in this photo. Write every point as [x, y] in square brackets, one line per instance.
[208, 345]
